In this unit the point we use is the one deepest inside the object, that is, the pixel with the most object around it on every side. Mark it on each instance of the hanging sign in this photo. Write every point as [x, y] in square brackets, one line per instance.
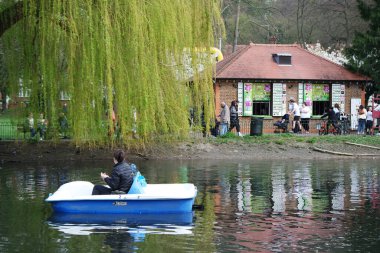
[321, 92]
[279, 106]
[247, 104]
[261, 92]
[240, 98]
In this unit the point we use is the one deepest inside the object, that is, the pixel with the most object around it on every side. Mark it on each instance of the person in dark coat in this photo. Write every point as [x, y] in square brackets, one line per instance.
[331, 119]
[234, 117]
[121, 178]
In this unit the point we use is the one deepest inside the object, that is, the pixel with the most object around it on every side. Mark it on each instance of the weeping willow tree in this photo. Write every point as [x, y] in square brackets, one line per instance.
[127, 66]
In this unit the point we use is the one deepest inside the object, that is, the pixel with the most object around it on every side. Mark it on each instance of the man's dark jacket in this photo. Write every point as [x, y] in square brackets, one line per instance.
[121, 178]
[331, 116]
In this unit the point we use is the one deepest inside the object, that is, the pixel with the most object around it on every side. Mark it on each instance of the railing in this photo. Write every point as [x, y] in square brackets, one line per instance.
[11, 131]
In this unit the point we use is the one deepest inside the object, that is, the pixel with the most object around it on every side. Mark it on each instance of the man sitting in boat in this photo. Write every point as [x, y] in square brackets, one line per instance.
[121, 178]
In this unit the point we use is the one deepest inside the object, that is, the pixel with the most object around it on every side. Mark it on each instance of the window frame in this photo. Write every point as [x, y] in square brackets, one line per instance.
[263, 102]
[249, 113]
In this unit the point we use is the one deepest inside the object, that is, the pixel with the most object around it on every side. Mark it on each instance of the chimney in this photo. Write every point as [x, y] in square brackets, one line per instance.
[273, 40]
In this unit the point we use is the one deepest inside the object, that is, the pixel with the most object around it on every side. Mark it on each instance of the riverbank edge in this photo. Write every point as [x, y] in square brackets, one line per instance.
[24, 152]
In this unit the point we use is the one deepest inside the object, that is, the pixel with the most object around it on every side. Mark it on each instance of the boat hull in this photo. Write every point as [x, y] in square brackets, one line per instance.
[76, 197]
[121, 206]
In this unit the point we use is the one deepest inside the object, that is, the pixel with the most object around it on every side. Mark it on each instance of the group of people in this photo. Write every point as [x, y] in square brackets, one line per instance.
[365, 120]
[229, 118]
[41, 126]
[301, 116]
[333, 114]
[301, 120]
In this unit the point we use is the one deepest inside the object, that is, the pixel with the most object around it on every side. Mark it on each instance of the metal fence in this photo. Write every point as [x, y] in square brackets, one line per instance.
[11, 131]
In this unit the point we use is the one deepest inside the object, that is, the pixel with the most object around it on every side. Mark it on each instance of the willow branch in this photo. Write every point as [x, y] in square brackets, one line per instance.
[10, 16]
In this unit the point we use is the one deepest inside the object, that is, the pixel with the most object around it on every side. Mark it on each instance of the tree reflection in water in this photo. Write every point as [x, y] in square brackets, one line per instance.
[248, 206]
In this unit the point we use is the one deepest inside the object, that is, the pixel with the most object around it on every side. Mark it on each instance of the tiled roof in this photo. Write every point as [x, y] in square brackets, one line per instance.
[255, 62]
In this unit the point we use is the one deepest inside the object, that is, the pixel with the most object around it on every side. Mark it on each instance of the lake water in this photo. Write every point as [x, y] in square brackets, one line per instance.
[266, 206]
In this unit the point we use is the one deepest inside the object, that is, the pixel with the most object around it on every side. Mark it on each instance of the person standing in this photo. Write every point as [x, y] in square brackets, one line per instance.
[331, 120]
[305, 117]
[31, 125]
[369, 122]
[295, 110]
[121, 178]
[337, 111]
[64, 108]
[362, 116]
[41, 126]
[224, 118]
[234, 117]
[63, 125]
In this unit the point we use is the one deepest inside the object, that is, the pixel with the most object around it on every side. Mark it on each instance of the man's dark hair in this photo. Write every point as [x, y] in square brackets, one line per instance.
[119, 155]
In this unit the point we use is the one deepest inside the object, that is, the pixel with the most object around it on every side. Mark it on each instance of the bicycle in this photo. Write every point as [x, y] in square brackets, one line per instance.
[345, 125]
[325, 129]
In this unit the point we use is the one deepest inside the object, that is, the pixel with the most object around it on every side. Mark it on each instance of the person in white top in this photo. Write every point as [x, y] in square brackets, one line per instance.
[362, 116]
[337, 111]
[30, 120]
[369, 122]
[296, 111]
[305, 117]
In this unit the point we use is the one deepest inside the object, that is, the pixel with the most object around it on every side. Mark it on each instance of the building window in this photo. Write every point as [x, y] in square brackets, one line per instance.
[256, 98]
[64, 95]
[23, 92]
[261, 108]
[283, 59]
[317, 96]
[319, 107]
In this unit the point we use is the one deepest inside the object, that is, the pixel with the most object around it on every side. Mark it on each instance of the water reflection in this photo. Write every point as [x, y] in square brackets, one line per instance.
[279, 191]
[86, 224]
[248, 206]
[307, 201]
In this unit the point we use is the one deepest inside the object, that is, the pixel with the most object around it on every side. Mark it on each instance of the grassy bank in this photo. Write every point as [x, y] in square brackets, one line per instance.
[283, 139]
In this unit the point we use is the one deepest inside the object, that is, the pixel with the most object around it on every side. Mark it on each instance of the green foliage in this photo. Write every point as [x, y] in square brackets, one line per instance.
[279, 142]
[331, 22]
[131, 57]
[229, 135]
[311, 140]
[364, 53]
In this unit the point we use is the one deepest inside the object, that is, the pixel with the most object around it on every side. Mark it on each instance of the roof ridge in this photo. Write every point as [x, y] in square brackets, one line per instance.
[231, 58]
[277, 45]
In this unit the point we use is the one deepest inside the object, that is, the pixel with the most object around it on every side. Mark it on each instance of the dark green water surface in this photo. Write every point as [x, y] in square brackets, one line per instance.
[266, 206]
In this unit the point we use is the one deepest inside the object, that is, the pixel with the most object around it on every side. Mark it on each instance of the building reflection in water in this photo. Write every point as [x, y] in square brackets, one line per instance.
[243, 188]
[279, 191]
[302, 188]
[305, 200]
[355, 187]
[268, 206]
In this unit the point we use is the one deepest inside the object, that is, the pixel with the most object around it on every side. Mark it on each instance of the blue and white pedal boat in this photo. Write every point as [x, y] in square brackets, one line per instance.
[75, 197]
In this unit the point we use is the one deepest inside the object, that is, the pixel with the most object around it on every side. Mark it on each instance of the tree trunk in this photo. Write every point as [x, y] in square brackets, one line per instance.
[3, 99]
[236, 27]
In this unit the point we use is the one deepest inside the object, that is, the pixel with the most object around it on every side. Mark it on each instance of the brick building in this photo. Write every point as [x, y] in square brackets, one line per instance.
[262, 77]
